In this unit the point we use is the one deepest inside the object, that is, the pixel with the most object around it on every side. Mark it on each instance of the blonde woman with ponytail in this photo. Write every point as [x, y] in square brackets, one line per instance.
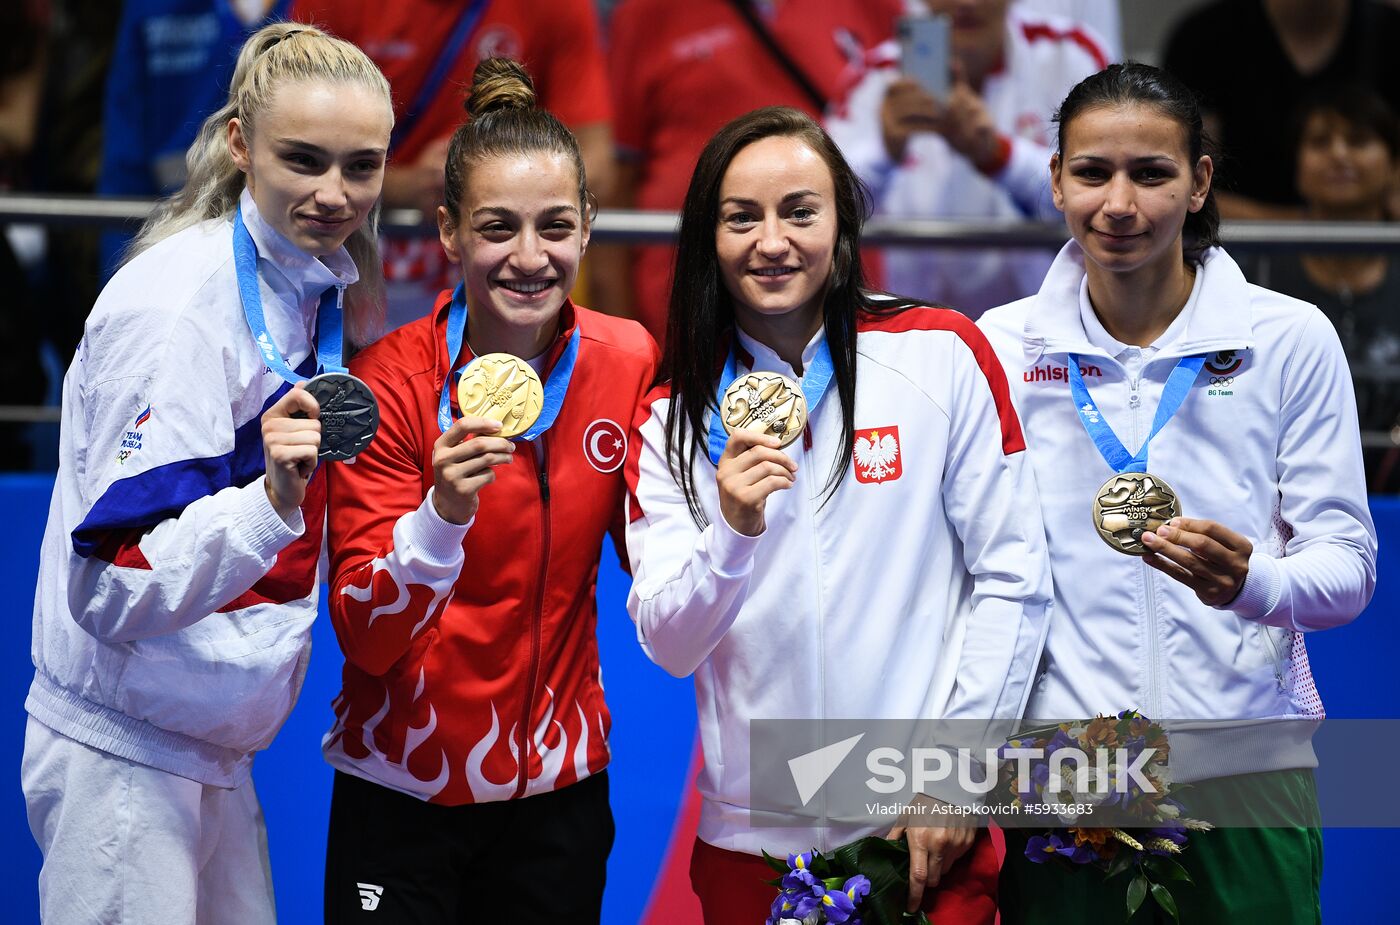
[177, 579]
[470, 737]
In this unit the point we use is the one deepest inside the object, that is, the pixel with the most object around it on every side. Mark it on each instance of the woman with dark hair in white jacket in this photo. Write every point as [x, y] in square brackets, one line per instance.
[888, 563]
[1184, 579]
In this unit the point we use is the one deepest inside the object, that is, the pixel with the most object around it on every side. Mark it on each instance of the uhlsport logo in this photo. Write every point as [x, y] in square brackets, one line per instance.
[605, 445]
[132, 439]
[878, 457]
[1059, 373]
[369, 895]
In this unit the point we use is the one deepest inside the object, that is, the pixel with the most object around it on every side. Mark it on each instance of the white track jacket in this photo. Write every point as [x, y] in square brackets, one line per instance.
[919, 589]
[1266, 444]
[173, 613]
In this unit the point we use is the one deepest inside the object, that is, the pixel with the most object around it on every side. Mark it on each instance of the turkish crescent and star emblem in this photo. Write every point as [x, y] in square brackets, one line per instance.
[604, 445]
[877, 455]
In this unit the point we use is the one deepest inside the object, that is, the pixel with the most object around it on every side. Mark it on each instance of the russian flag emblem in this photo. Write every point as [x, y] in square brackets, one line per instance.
[143, 417]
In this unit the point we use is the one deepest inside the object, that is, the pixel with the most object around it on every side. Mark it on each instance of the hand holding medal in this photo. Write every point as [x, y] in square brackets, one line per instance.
[1206, 556]
[291, 438]
[760, 412]
[500, 397]
[348, 415]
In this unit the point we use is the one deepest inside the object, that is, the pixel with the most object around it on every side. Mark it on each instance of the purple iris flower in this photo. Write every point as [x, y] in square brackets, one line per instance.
[800, 861]
[857, 887]
[798, 881]
[835, 904]
[1039, 848]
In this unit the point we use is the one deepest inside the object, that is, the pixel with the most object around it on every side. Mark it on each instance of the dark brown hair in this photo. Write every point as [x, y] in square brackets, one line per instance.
[699, 329]
[504, 120]
[1134, 84]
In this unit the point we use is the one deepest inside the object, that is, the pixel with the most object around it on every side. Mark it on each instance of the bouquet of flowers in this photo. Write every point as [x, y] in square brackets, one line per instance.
[1153, 829]
[865, 882]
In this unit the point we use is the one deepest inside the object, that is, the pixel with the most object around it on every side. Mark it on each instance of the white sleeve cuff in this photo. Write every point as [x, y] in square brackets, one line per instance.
[731, 552]
[1263, 586]
[265, 529]
[432, 537]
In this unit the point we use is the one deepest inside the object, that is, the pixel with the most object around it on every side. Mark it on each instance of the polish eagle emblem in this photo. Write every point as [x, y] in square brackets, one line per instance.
[877, 455]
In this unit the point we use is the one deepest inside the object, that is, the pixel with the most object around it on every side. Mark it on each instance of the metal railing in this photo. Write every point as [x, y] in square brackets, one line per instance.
[615, 226]
[637, 227]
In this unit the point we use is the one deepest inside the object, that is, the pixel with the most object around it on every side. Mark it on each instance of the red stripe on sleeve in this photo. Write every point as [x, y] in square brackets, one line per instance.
[943, 319]
[632, 468]
[293, 577]
[123, 549]
[1038, 31]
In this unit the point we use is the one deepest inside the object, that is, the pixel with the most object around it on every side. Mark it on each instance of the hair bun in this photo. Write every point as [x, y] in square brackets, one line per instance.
[499, 83]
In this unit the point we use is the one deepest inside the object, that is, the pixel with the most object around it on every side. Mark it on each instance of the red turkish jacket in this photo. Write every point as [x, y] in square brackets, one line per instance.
[471, 670]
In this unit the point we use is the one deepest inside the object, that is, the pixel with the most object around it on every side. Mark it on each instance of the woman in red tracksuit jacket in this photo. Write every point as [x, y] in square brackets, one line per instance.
[470, 737]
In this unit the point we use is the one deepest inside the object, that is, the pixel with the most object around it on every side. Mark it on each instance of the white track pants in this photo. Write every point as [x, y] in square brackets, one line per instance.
[126, 844]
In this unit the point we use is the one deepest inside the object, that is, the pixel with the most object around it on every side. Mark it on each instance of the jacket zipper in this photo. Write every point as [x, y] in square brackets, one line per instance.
[808, 443]
[1154, 695]
[523, 740]
[1274, 655]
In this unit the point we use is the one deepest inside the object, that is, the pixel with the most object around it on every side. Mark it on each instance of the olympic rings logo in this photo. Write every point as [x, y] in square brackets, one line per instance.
[1222, 380]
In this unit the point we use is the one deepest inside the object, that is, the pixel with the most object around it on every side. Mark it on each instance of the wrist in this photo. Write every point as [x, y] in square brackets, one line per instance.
[459, 514]
[284, 509]
[994, 156]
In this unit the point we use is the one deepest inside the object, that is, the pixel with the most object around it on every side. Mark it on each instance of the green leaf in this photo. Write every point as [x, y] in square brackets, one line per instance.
[1121, 862]
[1137, 892]
[886, 864]
[1168, 869]
[780, 866]
[1163, 896]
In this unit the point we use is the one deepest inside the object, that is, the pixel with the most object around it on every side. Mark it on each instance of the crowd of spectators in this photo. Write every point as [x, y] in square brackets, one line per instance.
[100, 97]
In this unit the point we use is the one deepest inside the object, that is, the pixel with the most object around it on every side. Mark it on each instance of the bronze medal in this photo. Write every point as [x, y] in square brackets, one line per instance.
[766, 403]
[503, 388]
[1131, 504]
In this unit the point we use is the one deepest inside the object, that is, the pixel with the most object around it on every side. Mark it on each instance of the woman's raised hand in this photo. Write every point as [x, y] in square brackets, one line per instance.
[751, 468]
[463, 458]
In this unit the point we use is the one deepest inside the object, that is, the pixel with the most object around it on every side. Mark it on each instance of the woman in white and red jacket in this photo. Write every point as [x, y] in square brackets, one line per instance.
[890, 564]
[471, 732]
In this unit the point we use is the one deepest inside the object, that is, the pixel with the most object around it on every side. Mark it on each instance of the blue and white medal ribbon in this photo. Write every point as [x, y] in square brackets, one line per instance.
[1132, 502]
[555, 388]
[349, 413]
[815, 381]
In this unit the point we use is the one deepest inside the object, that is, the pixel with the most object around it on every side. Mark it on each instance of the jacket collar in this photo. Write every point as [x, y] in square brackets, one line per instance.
[568, 320]
[758, 355]
[307, 276]
[1218, 317]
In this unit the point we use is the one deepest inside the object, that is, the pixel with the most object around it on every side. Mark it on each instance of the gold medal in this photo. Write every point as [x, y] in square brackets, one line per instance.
[765, 403]
[503, 388]
[1131, 504]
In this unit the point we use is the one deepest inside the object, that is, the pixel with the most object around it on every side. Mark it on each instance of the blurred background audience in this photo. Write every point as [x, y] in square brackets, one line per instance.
[428, 49]
[100, 96]
[982, 153]
[1347, 146]
[170, 69]
[1251, 61]
[680, 70]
